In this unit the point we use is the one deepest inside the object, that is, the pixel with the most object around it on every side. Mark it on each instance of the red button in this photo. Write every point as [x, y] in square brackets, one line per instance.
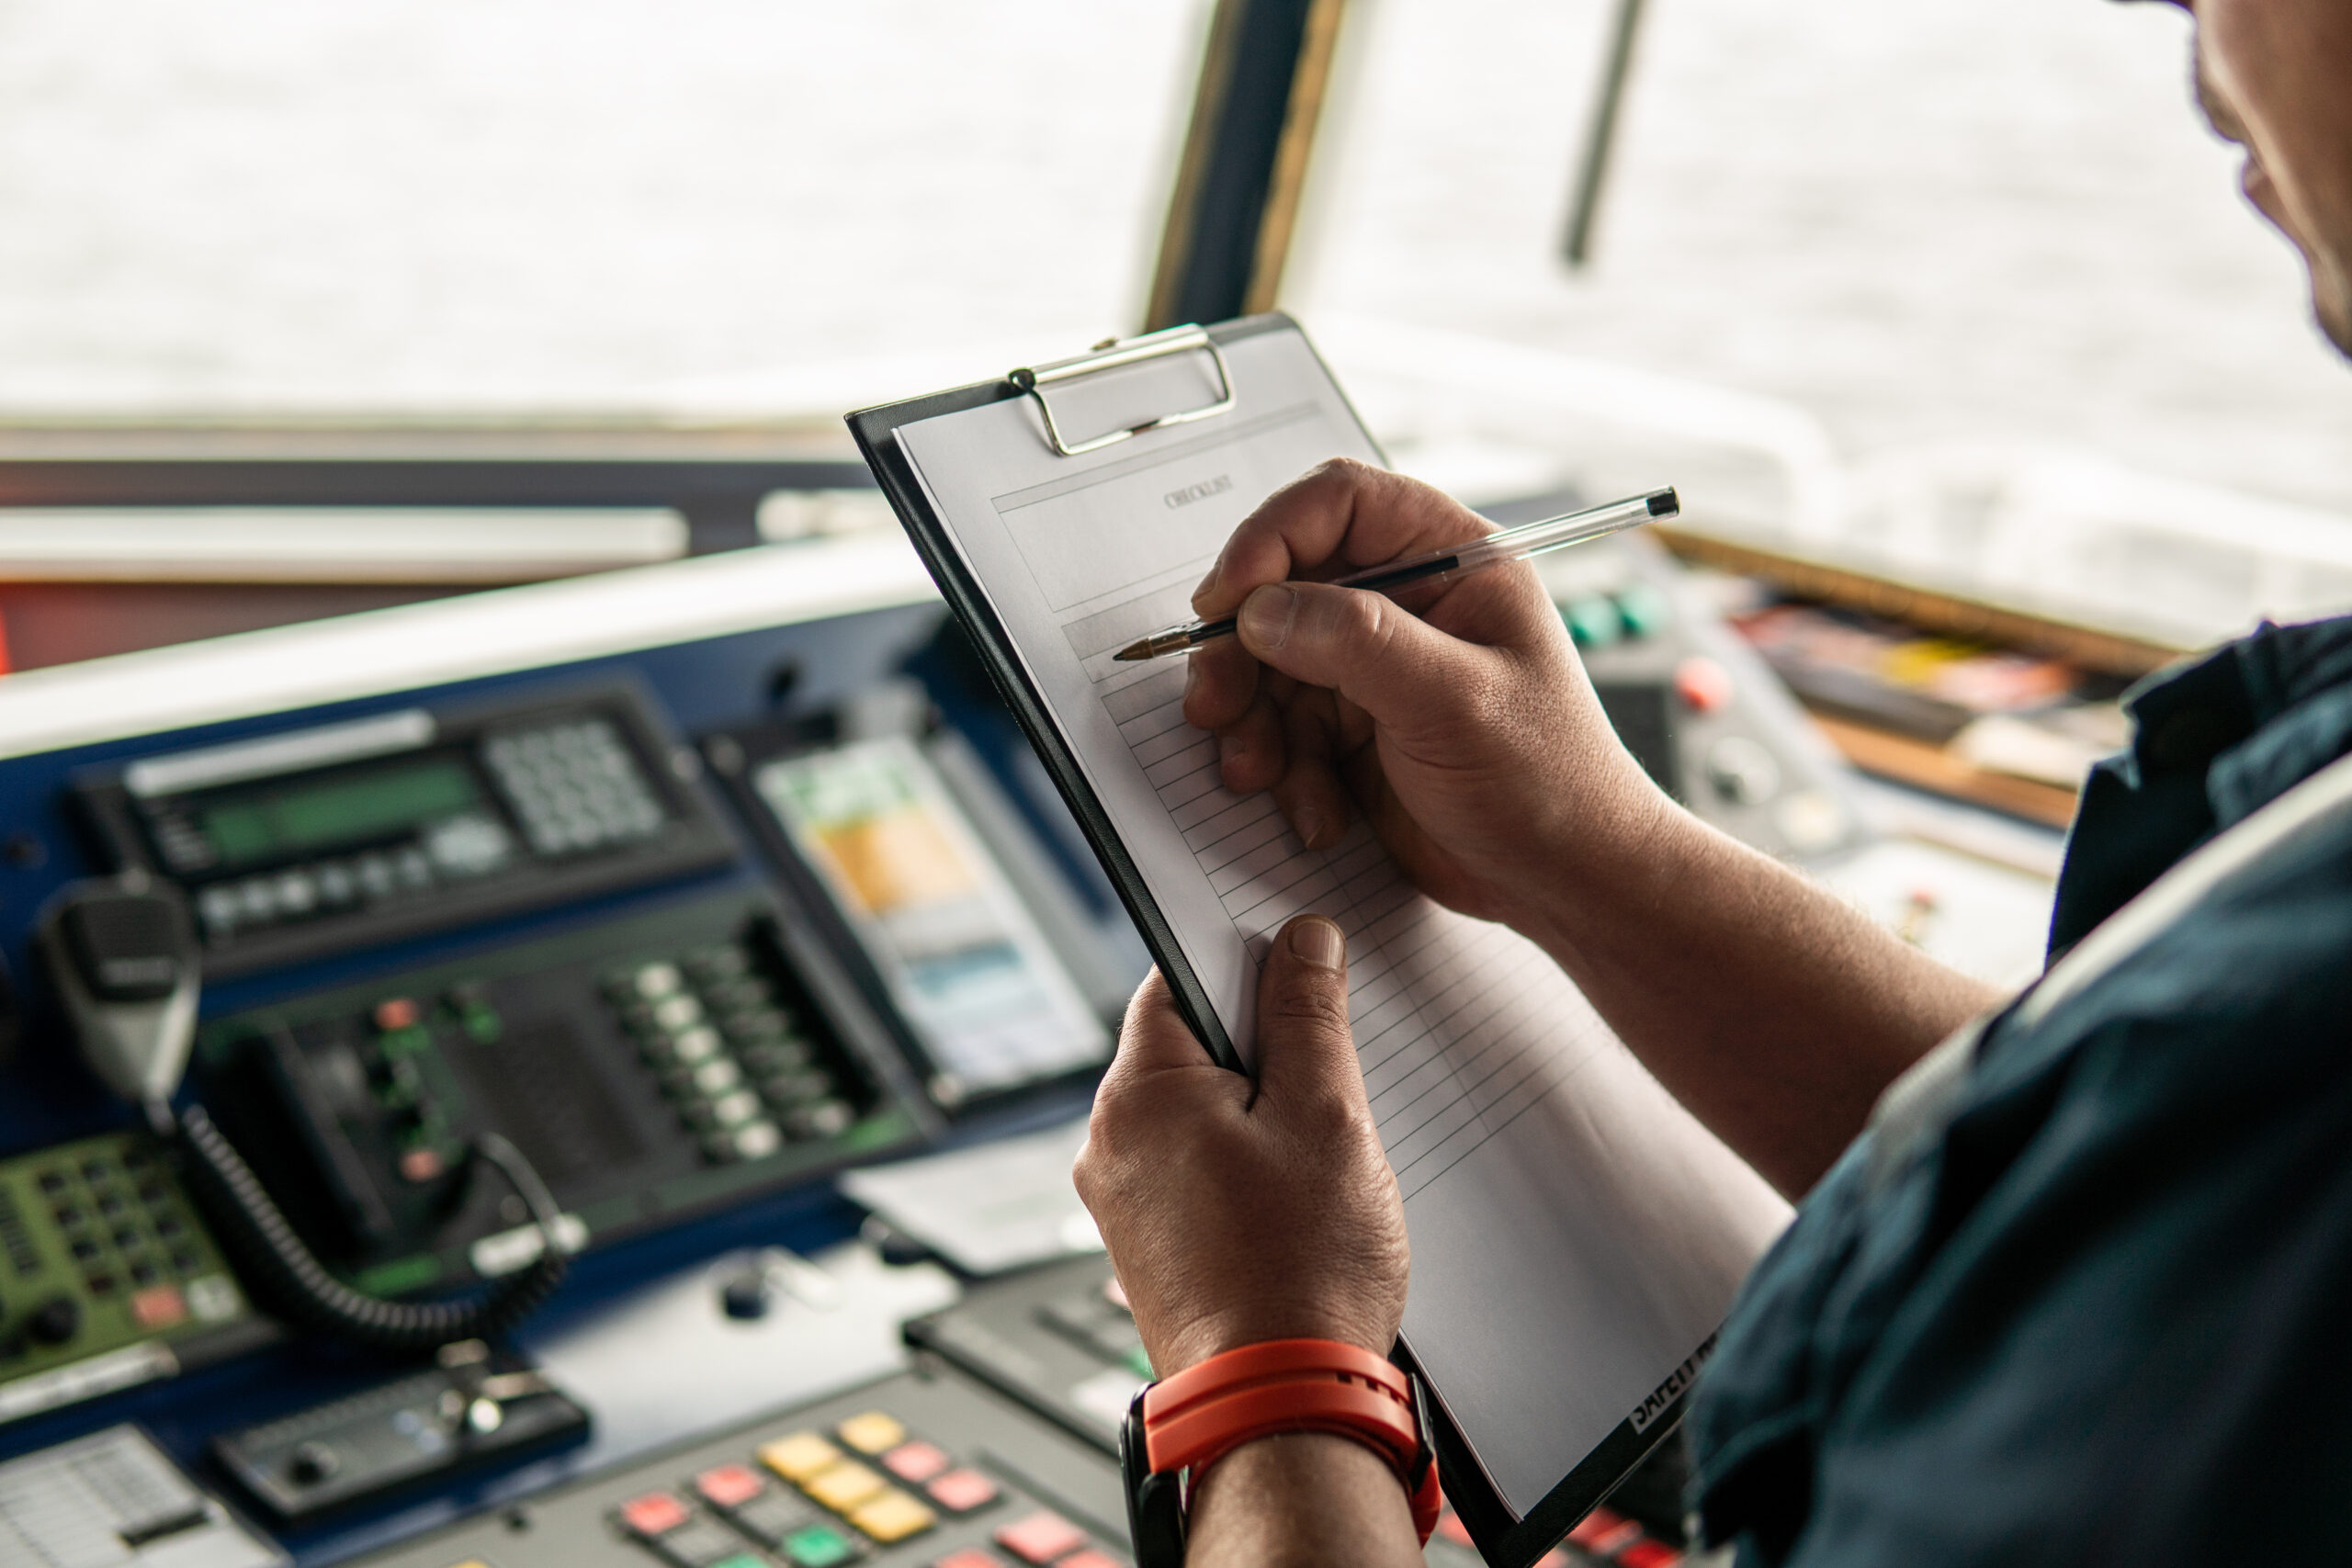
[1090, 1558]
[1041, 1538]
[970, 1557]
[915, 1463]
[1702, 683]
[1649, 1554]
[1597, 1525]
[653, 1514]
[395, 1012]
[961, 1491]
[728, 1486]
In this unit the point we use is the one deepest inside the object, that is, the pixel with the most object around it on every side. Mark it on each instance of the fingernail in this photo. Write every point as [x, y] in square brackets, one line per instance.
[1318, 941]
[1267, 615]
[1192, 679]
[1309, 825]
[1230, 748]
[1207, 582]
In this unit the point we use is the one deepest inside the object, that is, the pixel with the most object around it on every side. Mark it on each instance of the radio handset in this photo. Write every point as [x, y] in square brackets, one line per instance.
[122, 955]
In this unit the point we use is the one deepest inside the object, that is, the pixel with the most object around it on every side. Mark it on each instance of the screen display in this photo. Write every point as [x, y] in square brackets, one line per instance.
[303, 815]
[965, 962]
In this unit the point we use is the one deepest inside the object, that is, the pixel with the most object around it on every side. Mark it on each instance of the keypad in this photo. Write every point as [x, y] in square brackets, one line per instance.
[573, 785]
[811, 1499]
[125, 1231]
[736, 1059]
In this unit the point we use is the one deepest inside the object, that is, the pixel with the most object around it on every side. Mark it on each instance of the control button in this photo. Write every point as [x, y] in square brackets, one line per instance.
[970, 1557]
[745, 1296]
[67, 1213]
[55, 1321]
[822, 1120]
[741, 1560]
[1644, 610]
[916, 1462]
[734, 1109]
[757, 1140]
[1041, 1537]
[717, 1076]
[655, 981]
[818, 1545]
[420, 1166]
[157, 1306]
[699, 1044]
[1603, 1532]
[728, 1485]
[1704, 685]
[677, 1012]
[1742, 771]
[962, 1491]
[892, 1517]
[698, 1544]
[1644, 1554]
[653, 1514]
[1090, 1558]
[798, 1455]
[53, 1181]
[872, 1432]
[769, 1518]
[395, 1012]
[311, 1463]
[843, 1486]
[1592, 621]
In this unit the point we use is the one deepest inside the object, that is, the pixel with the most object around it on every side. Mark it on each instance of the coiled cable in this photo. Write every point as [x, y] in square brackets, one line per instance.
[288, 1280]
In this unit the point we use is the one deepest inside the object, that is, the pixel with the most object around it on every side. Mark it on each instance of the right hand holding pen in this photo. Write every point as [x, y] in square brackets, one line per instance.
[1459, 722]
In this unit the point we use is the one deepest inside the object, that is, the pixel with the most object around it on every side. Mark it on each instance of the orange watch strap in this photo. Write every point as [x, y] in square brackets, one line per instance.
[1196, 1418]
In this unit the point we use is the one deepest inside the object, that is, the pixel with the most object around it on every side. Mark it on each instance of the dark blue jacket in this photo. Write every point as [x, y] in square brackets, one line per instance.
[2101, 1311]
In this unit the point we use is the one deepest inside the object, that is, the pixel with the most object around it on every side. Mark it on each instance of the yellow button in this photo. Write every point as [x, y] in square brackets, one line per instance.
[893, 1515]
[471, 1563]
[871, 1433]
[798, 1455]
[843, 1486]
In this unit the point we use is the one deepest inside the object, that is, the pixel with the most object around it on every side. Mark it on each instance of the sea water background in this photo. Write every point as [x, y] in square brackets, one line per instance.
[1992, 222]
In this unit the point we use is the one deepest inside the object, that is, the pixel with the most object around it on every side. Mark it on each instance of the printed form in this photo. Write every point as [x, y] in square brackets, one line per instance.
[1577, 1236]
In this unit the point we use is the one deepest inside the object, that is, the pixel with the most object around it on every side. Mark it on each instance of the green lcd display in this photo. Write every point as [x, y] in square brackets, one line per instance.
[299, 817]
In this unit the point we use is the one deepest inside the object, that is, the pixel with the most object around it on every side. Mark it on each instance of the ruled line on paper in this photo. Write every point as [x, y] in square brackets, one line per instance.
[1432, 1013]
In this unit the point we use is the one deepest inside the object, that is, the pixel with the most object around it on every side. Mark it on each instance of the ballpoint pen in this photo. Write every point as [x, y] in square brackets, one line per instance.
[1508, 545]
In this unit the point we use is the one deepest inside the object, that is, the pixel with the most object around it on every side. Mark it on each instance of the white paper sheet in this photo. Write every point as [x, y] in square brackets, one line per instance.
[1576, 1236]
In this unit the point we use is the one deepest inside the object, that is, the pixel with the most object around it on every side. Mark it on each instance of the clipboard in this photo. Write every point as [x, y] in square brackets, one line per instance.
[874, 431]
[1507, 1537]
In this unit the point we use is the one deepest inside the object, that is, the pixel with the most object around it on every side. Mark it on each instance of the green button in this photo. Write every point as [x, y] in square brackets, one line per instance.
[818, 1545]
[484, 1026]
[1592, 621]
[1645, 610]
[741, 1560]
[1139, 1363]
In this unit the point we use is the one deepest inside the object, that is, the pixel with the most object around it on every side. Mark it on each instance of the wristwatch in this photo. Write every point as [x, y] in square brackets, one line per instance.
[1177, 1429]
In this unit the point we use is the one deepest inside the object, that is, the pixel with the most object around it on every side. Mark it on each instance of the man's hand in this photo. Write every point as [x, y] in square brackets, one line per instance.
[1237, 1211]
[1458, 720]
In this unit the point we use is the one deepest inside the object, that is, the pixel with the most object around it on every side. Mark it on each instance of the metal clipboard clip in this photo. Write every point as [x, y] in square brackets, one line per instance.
[1114, 354]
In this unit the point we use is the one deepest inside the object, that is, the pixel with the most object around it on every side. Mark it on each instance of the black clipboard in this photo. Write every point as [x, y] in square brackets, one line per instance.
[1505, 1539]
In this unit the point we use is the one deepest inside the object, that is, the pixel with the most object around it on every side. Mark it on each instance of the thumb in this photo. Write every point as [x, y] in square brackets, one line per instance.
[1397, 667]
[1304, 1049]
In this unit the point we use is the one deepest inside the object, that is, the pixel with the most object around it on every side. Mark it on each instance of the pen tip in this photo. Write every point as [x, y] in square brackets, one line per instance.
[1665, 502]
[1134, 651]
